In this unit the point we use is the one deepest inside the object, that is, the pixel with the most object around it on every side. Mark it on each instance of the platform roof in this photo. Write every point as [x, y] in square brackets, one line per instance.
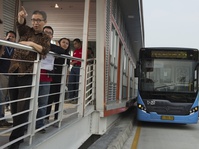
[131, 11]
[133, 16]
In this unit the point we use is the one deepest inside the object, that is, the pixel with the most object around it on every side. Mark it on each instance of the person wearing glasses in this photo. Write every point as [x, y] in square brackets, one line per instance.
[36, 38]
[47, 66]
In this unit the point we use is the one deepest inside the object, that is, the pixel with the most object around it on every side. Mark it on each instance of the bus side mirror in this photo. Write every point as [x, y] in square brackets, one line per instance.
[137, 70]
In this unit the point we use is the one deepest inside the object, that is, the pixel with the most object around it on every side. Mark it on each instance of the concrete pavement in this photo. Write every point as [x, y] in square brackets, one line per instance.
[117, 135]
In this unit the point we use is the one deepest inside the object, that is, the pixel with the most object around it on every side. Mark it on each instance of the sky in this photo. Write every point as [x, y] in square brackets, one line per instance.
[171, 23]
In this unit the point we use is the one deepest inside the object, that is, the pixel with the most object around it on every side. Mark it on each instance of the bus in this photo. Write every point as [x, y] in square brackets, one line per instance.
[167, 85]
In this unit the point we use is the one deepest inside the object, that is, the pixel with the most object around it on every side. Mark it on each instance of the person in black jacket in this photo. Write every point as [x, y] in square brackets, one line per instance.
[65, 44]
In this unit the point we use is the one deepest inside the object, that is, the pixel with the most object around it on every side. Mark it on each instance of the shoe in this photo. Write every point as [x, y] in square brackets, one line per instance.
[56, 125]
[42, 131]
[7, 109]
[5, 123]
[74, 101]
[14, 146]
[46, 122]
[21, 141]
[67, 101]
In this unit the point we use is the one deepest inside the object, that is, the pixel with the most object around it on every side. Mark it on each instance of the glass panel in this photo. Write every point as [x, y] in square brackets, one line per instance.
[167, 75]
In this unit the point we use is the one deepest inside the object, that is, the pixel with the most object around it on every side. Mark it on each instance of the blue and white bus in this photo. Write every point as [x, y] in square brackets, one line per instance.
[168, 85]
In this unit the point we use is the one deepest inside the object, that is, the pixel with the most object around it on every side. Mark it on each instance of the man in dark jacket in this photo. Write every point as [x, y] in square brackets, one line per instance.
[22, 81]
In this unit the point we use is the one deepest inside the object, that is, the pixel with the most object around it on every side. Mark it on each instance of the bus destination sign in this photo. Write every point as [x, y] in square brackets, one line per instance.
[169, 54]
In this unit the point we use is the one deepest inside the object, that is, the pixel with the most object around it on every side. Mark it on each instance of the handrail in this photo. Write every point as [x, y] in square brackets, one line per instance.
[29, 48]
[16, 45]
[34, 93]
[65, 56]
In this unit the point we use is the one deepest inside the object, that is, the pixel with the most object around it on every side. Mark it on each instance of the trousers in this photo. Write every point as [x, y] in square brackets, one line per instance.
[44, 90]
[73, 82]
[20, 106]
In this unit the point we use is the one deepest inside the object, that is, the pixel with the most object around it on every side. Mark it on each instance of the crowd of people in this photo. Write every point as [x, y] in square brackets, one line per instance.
[39, 37]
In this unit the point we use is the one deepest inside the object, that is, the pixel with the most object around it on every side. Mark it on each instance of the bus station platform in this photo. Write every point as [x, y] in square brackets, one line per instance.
[118, 134]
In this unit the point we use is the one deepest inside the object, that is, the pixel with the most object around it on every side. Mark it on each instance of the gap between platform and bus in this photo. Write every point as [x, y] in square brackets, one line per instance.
[136, 138]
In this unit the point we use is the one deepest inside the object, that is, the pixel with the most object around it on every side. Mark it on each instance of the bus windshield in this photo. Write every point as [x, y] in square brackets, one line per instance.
[168, 75]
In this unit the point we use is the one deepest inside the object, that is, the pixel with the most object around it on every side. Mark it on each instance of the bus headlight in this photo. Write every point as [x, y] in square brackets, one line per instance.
[141, 107]
[195, 109]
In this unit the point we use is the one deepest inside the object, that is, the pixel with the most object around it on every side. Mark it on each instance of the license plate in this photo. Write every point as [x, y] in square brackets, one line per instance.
[166, 117]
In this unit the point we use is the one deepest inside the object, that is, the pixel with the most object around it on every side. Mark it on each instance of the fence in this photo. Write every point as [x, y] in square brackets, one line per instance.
[65, 107]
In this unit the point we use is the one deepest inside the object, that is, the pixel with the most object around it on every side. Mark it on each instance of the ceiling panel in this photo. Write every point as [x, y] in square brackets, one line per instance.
[68, 20]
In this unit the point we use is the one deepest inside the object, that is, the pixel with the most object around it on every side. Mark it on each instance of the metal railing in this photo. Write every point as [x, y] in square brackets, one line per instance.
[66, 107]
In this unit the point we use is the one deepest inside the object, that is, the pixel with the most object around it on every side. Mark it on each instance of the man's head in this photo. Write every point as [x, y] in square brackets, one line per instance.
[39, 19]
[11, 36]
[49, 31]
[77, 43]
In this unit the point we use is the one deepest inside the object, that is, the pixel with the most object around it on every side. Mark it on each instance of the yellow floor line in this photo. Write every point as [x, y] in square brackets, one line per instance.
[136, 138]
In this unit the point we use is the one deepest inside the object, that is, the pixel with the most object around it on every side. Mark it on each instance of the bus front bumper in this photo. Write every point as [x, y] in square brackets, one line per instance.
[154, 117]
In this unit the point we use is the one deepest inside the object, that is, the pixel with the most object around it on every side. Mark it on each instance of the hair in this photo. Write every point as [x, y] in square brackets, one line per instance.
[1, 22]
[77, 40]
[91, 52]
[43, 13]
[12, 32]
[59, 41]
[89, 48]
[49, 27]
